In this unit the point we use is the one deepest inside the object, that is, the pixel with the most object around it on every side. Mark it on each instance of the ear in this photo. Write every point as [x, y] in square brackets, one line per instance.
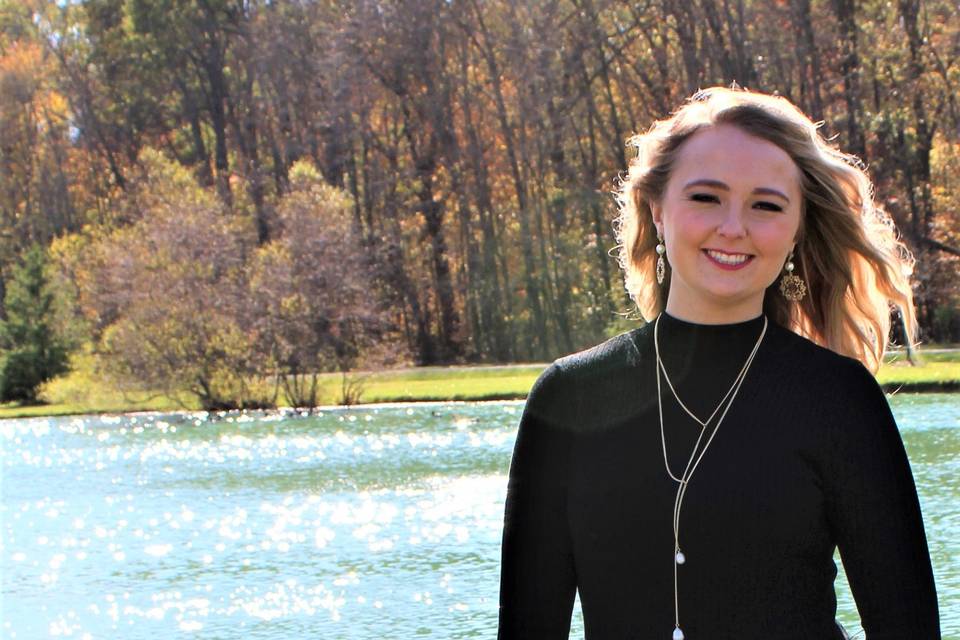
[657, 213]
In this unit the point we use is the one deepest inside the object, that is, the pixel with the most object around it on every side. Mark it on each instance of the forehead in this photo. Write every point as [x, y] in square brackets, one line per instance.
[730, 155]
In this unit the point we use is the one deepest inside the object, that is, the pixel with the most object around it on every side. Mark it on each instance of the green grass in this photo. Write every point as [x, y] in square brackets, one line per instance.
[82, 392]
[452, 383]
[927, 355]
[938, 371]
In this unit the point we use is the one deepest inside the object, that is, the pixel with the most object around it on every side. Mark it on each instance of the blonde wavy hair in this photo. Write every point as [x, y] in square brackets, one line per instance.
[848, 251]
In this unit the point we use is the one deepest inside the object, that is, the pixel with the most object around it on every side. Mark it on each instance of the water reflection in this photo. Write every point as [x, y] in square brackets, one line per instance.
[346, 523]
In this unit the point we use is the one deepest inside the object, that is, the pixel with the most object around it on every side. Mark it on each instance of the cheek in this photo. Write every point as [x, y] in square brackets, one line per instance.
[775, 238]
[691, 228]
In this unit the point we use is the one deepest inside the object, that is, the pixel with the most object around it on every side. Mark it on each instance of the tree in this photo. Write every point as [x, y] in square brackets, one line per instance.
[37, 201]
[34, 353]
[166, 291]
[313, 308]
[479, 141]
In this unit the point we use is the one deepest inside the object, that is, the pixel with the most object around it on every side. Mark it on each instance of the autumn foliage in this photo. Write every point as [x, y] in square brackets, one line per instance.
[246, 190]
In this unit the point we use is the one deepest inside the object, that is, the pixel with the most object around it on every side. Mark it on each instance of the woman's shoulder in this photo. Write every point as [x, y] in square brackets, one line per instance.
[819, 366]
[584, 389]
[609, 358]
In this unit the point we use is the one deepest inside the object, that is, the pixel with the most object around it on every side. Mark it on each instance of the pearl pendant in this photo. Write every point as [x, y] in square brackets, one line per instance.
[681, 558]
[677, 634]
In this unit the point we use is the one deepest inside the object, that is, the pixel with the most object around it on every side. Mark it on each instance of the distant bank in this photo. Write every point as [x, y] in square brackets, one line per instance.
[81, 394]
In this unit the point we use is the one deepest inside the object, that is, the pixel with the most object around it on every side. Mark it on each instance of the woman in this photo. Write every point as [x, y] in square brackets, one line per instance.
[693, 477]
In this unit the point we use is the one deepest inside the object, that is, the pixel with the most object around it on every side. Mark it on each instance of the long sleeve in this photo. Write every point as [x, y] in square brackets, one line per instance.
[874, 512]
[537, 580]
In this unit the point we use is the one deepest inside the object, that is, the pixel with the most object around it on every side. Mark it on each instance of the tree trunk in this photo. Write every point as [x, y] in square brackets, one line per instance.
[687, 33]
[201, 157]
[850, 69]
[809, 58]
[539, 334]
[485, 281]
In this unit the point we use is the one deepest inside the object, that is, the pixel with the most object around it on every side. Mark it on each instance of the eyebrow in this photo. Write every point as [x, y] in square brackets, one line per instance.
[716, 184]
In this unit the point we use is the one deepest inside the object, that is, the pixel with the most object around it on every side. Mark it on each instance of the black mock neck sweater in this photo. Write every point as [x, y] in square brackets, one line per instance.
[808, 459]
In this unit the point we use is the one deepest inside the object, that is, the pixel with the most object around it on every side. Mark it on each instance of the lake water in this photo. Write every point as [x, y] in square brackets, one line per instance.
[358, 523]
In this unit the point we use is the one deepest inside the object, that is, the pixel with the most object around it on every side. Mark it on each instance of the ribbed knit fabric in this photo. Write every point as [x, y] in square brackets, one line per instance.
[808, 459]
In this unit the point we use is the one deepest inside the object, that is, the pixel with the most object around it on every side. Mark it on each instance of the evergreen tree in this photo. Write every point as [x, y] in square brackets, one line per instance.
[32, 351]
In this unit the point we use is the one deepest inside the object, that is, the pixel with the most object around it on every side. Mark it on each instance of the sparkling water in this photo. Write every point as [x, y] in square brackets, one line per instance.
[367, 522]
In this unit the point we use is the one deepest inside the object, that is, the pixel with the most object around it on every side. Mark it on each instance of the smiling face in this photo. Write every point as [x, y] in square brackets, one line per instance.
[729, 217]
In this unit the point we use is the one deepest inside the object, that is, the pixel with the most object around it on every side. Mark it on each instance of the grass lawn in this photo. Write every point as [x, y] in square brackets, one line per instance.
[940, 371]
[80, 392]
[452, 383]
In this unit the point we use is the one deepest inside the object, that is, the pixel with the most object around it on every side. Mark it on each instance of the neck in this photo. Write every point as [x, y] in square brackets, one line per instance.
[707, 347]
[703, 359]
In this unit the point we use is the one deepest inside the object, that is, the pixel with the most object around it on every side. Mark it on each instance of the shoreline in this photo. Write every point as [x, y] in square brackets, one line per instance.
[889, 389]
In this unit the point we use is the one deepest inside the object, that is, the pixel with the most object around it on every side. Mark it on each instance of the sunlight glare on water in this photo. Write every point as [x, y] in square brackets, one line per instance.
[240, 524]
[349, 523]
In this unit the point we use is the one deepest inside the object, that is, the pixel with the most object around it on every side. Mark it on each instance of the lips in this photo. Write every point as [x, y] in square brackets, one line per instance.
[727, 265]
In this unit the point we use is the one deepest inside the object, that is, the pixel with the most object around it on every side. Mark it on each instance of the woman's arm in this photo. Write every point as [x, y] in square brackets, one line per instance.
[537, 579]
[875, 514]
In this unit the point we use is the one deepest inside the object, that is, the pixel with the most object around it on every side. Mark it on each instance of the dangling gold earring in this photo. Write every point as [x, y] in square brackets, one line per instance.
[661, 261]
[792, 287]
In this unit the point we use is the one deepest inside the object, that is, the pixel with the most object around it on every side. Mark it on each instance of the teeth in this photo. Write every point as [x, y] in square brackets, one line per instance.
[736, 258]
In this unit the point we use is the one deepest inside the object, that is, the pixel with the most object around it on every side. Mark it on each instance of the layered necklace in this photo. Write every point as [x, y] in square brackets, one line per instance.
[678, 556]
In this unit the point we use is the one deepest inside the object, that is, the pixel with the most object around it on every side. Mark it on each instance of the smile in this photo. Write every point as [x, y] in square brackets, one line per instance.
[728, 260]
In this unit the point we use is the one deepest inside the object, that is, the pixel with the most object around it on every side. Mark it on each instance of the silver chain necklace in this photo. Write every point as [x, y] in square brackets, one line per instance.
[678, 555]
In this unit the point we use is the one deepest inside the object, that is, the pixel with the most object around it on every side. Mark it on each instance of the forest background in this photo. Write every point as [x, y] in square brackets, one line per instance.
[221, 199]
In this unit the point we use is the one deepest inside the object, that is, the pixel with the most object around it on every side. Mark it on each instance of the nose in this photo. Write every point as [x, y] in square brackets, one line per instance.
[732, 223]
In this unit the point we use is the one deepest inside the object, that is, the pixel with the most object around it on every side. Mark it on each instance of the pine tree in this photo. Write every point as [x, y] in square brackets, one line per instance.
[32, 351]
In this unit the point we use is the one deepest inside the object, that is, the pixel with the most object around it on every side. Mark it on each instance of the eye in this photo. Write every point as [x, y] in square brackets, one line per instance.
[704, 197]
[768, 206]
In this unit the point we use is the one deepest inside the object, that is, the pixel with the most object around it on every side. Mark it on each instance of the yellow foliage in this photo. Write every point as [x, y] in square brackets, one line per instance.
[23, 58]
